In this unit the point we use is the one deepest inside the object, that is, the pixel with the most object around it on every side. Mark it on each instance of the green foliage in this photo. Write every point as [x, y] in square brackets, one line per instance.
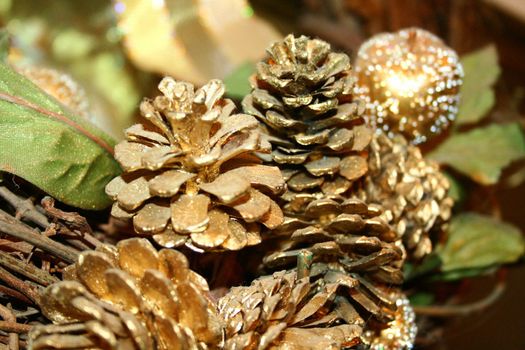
[483, 152]
[238, 83]
[43, 143]
[421, 299]
[477, 95]
[478, 242]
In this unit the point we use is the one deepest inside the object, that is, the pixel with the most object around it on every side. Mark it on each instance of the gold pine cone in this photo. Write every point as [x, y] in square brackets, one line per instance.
[129, 296]
[412, 191]
[328, 310]
[303, 95]
[346, 233]
[190, 174]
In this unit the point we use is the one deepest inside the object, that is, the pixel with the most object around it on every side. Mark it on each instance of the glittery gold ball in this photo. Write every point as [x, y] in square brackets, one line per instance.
[410, 81]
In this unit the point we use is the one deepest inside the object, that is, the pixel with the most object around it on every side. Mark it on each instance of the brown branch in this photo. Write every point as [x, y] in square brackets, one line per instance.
[13, 327]
[15, 294]
[76, 225]
[18, 284]
[10, 318]
[14, 228]
[24, 207]
[465, 309]
[27, 270]
[58, 117]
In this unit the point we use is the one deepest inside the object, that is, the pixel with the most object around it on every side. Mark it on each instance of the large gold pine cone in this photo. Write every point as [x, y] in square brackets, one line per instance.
[303, 95]
[190, 174]
[343, 232]
[129, 296]
[327, 311]
[412, 191]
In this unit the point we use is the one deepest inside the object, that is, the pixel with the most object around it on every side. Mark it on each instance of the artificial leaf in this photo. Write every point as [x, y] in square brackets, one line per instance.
[460, 274]
[238, 82]
[478, 242]
[456, 191]
[42, 142]
[483, 152]
[4, 45]
[421, 299]
[477, 95]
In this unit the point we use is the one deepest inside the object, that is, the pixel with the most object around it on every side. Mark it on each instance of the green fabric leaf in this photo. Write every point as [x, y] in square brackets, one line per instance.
[42, 142]
[477, 242]
[483, 152]
[477, 96]
[421, 299]
[238, 82]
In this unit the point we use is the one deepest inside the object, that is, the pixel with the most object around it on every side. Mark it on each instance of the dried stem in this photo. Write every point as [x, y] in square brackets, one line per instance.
[18, 284]
[14, 327]
[25, 209]
[9, 318]
[27, 270]
[14, 228]
[465, 309]
[14, 294]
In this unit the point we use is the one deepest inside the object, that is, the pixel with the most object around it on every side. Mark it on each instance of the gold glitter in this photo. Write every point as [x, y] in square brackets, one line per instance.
[410, 81]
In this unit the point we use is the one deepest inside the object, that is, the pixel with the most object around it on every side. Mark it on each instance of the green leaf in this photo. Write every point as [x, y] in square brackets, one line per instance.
[478, 242]
[477, 96]
[456, 191]
[238, 82]
[4, 45]
[460, 274]
[421, 299]
[483, 152]
[45, 144]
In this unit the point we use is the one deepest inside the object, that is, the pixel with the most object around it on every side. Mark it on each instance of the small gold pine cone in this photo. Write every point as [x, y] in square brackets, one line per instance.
[190, 174]
[346, 233]
[411, 189]
[129, 296]
[303, 95]
[327, 310]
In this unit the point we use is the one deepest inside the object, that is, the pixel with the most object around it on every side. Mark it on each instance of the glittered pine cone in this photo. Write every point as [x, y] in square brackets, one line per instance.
[190, 176]
[412, 191]
[326, 310]
[345, 233]
[302, 93]
[129, 296]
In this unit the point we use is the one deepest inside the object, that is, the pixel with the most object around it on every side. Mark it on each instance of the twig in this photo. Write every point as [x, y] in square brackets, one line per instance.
[18, 284]
[77, 225]
[465, 309]
[24, 207]
[17, 229]
[15, 294]
[9, 318]
[14, 327]
[27, 270]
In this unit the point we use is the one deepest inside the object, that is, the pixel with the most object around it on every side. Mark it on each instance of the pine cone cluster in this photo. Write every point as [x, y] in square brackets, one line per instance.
[303, 95]
[128, 296]
[327, 310]
[190, 176]
[412, 191]
[300, 169]
[349, 234]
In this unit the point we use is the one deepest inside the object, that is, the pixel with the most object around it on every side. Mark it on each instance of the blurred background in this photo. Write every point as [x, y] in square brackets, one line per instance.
[112, 53]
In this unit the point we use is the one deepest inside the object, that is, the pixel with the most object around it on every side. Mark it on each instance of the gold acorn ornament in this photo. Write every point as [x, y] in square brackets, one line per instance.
[190, 173]
[303, 95]
[410, 81]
